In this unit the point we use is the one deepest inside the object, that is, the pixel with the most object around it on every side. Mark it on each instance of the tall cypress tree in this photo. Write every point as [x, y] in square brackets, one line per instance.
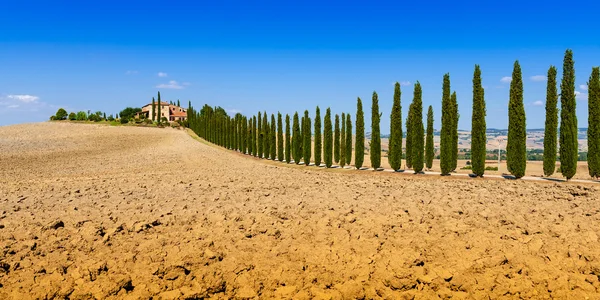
[266, 137]
[288, 140]
[569, 145]
[153, 110]
[594, 123]
[307, 137]
[409, 137]
[279, 137]
[454, 131]
[359, 145]
[260, 142]
[159, 106]
[296, 140]
[244, 134]
[302, 137]
[429, 150]
[516, 151]
[478, 126]
[418, 130]
[395, 142]
[255, 143]
[348, 139]
[343, 142]
[375, 151]
[327, 139]
[318, 138]
[273, 140]
[336, 140]
[446, 131]
[550, 134]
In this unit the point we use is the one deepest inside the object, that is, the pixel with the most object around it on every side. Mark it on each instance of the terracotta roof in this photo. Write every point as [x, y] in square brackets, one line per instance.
[179, 114]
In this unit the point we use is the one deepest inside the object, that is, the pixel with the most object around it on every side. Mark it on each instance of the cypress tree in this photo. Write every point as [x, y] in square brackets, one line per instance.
[273, 140]
[244, 136]
[153, 110]
[446, 131]
[279, 137]
[343, 142]
[260, 142]
[594, 123]
[265, 134]
[478, 126]
[327, 139]
[375, 151]
[306, 135]
[409, 137]
[288, 140]
[318, 138]
[159, 105]
[418, 130]
[395, 142]
[301, 137]
[336, 140]
[550, 134]
[296, 140]
[429, 150]
[359, 145]
[348, 139]
[255, 143]
[455, 117]
[178, 104]
[569, 145]
[516, 151]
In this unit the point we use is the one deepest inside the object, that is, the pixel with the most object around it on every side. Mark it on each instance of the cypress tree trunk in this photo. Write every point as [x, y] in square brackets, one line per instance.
[327, 139]
[153, 109]
[429, 150]
[273, 140]
[296, 140]
[336, 140]
[550, 134]
[348, 139]
[446, 131]
[265, 134]
[569, 145]
[307, 136]
[417, 130]
[279, 137]
[594, 123]
[260, 142]
[375, 151]
[288, 140]
[454, 131]
[395, 143]
[359, 145]
[159, 105]
[478, 126]
[318, 138]
[343, 142]
[409, 137]
[516, 151]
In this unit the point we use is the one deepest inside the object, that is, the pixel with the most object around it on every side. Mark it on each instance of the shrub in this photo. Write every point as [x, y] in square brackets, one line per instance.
[81, 116]
[94, 117]
[124, 121]
[148, 121]
[61, 114]
[111, 118]
[72, 116]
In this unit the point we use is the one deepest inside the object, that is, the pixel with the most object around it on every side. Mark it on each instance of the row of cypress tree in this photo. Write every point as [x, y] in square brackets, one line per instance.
[258, 137]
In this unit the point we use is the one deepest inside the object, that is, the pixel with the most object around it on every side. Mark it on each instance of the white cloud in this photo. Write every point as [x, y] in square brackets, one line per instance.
[405, 83]
[538, 78]
[131, 72]
[171, 85]
[581, 96]
[506, 79]
[162, 74]
[538, 103]
[24, 98]
[583, 87]
[233, 111]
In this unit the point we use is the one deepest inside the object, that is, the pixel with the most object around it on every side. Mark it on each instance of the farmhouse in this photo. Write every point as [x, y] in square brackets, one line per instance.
[171, 112]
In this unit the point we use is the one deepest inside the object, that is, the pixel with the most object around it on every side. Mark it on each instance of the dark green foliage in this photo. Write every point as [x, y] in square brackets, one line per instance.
[594, 123]
[288, 140]
[478, 126]
[306, 136]
[375, 151]
[178, 104]
[244, 136]
[417, 129]
[327, 139]
[279, 137]
[395, 142]
[409, 137]
[153, 109]
[129, 112]
[336, 140]
[255, 142]
[72, 116]
[158, 114]
[265, 136]
[81, 116]
[259, 133]
[454, 130]
[273, 139]
[343, 142]
[516, 151]
[348, 139]
[569, 145]
[296, 140]
[429, 149]
[103, 117]
[301, 137]
[318, 138]
[446, 135]
[61, 114]
[124, 121]
[359, 145]
[551, 126]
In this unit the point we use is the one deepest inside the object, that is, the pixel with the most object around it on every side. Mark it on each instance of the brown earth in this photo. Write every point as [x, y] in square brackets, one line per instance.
[101, 212]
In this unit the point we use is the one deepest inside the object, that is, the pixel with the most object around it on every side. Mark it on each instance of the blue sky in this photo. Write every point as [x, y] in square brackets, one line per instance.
[282, 56]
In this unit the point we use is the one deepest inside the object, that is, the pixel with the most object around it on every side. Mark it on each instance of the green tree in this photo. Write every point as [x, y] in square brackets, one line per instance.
[153, 110]
[395, 142]
[348, 139]
[343, 141]
[265, 134]
[551, 126]
[61, 114]
[375, 151]
[158, 115]
[244, 134]
[318, 138]
[359, 145]
[446, 131]
[72, 116]
[478, 126]
[260, 142]
[516, 151]
[409, 137]
[81, 116]
[296, 140]
[328, 139]
[569, 145]
[279, 137]
[336, 140]
[288, 140]
[178, 104]
[455, 117]
[255, 141]
[594, 123]
[128, 112]
[429, 150]
[417, 129]
[306, 135]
